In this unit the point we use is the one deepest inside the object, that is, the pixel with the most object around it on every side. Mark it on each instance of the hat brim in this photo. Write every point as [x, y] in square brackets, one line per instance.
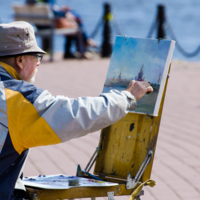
[33, 49]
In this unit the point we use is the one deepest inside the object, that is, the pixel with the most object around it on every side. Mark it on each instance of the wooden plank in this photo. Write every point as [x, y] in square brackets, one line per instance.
[60, 31]
[77, 192]
[41, 10]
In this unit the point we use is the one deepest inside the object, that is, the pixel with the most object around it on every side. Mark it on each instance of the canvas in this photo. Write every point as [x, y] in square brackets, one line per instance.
[140, 59]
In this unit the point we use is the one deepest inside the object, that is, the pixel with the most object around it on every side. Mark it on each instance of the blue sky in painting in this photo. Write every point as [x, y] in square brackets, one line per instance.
[129, 54]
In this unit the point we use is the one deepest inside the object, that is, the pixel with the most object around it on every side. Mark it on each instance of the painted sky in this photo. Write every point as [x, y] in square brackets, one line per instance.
[129, 54]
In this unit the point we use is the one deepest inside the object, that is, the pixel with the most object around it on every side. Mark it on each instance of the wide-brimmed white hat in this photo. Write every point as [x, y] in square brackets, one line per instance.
[18, 38]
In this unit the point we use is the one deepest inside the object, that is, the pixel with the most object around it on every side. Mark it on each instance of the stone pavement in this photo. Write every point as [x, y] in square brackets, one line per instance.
[176, 167]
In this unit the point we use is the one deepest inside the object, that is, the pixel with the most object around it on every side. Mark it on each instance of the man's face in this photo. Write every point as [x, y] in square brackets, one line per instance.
[31, 63]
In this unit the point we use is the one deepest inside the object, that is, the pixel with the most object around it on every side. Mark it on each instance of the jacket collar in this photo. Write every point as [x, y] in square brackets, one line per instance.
[10, 70]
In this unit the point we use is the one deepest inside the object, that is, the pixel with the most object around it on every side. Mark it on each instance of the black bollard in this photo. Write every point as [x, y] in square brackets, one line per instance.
[107, 35]
[161, 21]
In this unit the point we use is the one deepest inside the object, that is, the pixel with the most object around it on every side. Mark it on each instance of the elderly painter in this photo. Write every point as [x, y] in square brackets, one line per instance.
[30, 116]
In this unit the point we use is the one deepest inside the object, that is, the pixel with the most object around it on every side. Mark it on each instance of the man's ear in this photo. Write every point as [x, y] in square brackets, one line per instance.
[19, 61]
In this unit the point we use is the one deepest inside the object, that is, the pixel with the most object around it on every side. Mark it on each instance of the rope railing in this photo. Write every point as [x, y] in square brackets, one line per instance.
[96, 29]
[179, 47]
[160, 24]
[152, 29]
[105, 21]
[100, 23]
[117, 26]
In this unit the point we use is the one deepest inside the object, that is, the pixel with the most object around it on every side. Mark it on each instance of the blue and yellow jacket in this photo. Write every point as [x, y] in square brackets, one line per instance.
[30, 117]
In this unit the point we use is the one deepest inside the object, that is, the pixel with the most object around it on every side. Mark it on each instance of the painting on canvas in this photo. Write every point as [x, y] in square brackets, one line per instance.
[140, 59]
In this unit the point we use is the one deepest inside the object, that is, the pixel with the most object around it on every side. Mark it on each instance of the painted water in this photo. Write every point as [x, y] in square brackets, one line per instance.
[134, 18]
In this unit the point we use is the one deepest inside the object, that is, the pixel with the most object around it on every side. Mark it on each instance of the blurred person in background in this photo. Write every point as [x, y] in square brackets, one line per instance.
[68, 18]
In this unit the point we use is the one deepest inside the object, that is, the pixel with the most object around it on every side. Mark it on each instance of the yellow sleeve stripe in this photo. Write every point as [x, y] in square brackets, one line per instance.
[27, 129]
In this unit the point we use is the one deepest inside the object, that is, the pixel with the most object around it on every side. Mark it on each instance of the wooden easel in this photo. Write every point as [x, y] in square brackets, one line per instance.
[125, 155]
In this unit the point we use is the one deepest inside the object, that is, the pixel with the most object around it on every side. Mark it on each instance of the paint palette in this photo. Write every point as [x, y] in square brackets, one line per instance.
[63, 182]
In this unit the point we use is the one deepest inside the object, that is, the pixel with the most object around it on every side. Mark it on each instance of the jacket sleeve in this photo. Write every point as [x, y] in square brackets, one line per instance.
[71, 118]
[47, 119]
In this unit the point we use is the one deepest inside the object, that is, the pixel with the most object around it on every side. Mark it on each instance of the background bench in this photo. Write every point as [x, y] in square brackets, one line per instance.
[42, 15]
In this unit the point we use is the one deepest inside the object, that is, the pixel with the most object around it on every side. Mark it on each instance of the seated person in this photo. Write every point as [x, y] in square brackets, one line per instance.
[68, 18]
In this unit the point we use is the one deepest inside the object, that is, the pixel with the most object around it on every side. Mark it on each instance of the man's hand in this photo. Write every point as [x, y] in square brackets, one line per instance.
[139, 88]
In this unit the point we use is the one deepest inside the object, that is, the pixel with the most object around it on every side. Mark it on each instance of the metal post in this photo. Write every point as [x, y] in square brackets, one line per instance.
[107, 43]
[91, 161]
[161, 21]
